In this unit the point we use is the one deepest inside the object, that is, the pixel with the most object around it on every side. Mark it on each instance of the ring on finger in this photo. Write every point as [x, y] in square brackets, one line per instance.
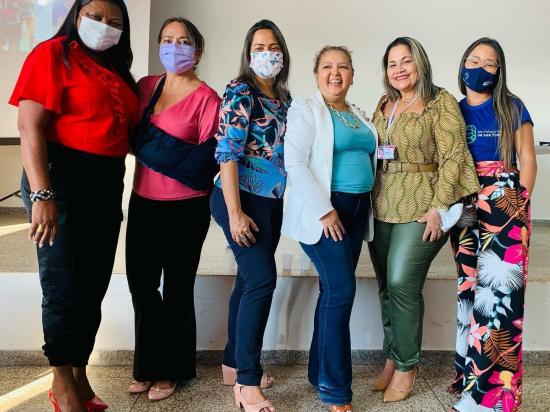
[40, 228]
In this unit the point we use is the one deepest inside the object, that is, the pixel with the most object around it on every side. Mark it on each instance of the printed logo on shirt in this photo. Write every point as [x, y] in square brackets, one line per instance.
[471, 133]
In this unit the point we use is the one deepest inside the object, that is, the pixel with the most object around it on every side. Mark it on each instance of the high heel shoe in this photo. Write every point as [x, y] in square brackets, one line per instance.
[241, 403]
[53, 401]
[230, 377]
[340, 408]
[395, 395]
[95, 404]
[382, 382]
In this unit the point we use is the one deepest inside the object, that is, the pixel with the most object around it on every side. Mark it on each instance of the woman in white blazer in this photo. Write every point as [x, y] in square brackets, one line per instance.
[330, 159]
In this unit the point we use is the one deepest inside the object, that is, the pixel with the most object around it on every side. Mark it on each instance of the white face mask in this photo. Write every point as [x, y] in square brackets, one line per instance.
[97, 35]
[266, 64]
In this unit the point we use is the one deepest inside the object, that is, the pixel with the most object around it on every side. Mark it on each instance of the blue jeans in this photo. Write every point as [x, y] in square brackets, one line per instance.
[330, 353]
[250, 300]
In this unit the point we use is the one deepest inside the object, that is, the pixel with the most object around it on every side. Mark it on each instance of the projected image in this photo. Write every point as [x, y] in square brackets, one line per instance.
[25, 23]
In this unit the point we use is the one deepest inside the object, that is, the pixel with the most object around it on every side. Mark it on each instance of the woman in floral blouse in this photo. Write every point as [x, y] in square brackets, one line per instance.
[247, 201]
[425, 168]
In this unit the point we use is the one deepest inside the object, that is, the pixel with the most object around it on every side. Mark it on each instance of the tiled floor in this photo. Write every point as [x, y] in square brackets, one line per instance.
[24, 389]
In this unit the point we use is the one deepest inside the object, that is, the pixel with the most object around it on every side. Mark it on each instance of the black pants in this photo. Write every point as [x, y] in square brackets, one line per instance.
[252, 294]
[165, 237]
[75, 271]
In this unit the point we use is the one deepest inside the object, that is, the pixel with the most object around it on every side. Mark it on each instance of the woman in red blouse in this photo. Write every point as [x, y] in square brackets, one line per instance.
[77, 104]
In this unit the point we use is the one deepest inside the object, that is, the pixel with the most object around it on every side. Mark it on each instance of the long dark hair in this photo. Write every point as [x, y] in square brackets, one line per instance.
[425, 87]
[247, 75]
[120, 55]
[503, 100]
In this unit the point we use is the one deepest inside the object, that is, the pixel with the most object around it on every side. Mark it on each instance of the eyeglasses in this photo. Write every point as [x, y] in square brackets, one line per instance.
[473, 62]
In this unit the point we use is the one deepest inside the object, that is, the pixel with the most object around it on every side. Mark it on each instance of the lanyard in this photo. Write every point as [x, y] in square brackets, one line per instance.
[393, 117]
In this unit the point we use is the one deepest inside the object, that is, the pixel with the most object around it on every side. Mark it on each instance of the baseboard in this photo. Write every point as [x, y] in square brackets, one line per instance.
[269, 357]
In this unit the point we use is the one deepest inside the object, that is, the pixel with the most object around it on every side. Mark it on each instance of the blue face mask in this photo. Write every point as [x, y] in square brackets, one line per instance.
[478, 79]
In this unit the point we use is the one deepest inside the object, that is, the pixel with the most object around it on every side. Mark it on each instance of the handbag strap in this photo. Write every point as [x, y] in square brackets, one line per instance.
[137, 138]
[154, 99]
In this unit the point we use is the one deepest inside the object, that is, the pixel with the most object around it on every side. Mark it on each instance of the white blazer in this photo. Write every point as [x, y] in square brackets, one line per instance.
[308, 152]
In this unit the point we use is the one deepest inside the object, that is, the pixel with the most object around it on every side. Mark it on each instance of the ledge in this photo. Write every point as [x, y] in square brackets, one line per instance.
[17, 254]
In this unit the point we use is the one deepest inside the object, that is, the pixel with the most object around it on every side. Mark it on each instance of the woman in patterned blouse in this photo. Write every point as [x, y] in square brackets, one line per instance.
[425, 167]
[247, 201]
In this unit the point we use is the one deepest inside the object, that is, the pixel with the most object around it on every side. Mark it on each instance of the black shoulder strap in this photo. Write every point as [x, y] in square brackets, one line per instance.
[137, 137]
[154, 99]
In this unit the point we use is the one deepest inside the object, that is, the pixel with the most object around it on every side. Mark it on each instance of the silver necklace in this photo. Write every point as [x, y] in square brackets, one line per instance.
[356, 122]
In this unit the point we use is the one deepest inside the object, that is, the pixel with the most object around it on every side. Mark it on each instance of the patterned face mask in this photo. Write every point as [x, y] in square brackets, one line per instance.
[266, 64]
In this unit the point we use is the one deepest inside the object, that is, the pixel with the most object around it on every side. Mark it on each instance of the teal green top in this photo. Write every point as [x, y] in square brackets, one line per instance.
[352, 170]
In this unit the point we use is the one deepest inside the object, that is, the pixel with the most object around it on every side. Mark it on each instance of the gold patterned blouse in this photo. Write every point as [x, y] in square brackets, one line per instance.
[437, 135]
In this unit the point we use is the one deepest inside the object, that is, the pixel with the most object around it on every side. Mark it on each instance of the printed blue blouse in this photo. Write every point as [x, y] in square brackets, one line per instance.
[251, 132]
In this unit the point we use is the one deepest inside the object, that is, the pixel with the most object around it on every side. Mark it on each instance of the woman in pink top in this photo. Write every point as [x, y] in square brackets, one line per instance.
[168, 220]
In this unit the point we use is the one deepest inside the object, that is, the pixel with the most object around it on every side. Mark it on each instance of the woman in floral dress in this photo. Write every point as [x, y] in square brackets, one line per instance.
[491, 241]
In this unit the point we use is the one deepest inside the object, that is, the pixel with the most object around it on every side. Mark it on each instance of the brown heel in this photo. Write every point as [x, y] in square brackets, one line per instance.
[341, 408]
[382, 382]
[395, 395]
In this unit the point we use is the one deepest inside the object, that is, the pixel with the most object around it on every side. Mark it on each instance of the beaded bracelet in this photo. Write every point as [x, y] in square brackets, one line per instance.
[41, 195]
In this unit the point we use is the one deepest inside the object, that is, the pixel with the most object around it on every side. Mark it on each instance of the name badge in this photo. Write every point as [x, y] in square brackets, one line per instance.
[386, 152]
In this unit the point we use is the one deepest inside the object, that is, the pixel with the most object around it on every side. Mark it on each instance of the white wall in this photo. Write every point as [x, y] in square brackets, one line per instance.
[444, 28]
[367, 27]
[290, 320]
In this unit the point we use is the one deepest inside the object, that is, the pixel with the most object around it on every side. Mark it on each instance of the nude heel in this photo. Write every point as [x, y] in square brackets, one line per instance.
[241, 403]
[394, 395]
[229, 376]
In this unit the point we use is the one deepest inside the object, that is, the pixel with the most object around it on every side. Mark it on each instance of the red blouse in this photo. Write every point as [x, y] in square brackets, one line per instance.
[93, 109]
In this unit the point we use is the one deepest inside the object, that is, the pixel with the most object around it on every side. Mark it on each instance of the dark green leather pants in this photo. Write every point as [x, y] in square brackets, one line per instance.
[401, 260]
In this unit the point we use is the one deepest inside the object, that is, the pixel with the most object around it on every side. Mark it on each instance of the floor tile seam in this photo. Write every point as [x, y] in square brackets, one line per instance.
[427, 382]
[135, 401]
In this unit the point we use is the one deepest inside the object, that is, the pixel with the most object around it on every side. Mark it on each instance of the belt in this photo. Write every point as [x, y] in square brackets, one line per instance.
[393, 166]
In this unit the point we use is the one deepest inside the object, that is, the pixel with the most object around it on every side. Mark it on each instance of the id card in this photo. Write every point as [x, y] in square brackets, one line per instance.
[386, 152]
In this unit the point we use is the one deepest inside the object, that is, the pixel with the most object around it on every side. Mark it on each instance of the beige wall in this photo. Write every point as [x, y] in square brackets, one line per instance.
[444, 28]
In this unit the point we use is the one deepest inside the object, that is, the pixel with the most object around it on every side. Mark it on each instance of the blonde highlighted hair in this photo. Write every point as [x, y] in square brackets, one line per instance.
[425, 87]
